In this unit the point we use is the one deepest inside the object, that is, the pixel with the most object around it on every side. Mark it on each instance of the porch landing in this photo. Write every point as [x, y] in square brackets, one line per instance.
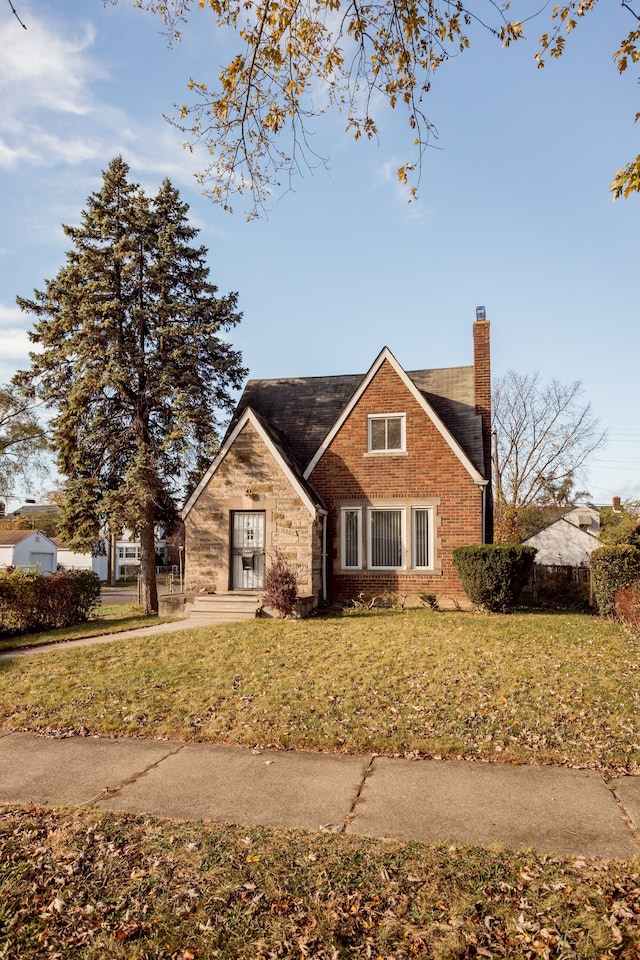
[211, 607]
[224, 607]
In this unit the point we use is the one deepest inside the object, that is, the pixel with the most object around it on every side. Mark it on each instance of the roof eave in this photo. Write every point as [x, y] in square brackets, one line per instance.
[249, 416]
[385, 354]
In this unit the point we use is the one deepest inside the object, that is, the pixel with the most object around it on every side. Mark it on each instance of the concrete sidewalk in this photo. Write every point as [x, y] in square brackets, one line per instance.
[550, 809]
[170, 627]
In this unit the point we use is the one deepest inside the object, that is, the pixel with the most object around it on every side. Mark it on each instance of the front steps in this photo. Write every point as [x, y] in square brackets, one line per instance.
[224, 607]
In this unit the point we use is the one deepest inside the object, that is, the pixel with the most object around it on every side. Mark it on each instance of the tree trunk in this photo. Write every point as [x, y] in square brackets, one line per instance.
[148, 587]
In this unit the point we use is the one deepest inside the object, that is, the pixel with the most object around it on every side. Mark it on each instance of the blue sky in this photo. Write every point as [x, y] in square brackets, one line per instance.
[514, 210]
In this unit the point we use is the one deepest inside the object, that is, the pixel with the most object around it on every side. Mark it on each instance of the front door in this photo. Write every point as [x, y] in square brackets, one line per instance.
[247, 550]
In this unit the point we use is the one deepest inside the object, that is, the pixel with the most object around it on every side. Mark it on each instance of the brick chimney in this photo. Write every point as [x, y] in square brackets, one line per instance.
[616, 504]
[482, 382]
[482, 398]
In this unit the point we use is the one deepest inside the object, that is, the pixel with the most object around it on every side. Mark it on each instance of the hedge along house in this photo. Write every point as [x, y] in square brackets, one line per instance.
[364, 483]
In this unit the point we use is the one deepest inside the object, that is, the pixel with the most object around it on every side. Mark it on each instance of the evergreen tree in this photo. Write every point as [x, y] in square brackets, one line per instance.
[131, 359]
[22, 442]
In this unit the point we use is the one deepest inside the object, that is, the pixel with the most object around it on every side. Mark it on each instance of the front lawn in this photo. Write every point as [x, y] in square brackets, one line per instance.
[117, 618]
[89, 885]
[527, 687]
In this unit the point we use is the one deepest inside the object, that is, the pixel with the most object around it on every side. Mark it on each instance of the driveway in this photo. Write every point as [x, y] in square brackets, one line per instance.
[110, 596]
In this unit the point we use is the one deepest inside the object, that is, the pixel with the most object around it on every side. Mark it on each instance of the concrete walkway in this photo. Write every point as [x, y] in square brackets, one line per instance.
[170, 627]
[550, 809]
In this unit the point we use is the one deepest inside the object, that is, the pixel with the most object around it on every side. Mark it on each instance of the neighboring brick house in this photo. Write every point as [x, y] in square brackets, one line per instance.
[366, 483]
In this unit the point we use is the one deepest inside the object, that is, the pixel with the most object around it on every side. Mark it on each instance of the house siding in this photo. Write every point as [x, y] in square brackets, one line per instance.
[250, 478]
[563, 544]
[428, 473]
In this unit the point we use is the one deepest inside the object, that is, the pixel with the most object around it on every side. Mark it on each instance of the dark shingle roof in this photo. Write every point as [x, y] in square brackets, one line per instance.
[450, 391]
[299, 412]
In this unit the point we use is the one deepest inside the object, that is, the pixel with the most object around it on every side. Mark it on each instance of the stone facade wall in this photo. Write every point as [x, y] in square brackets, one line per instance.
[250, 478]
[429, 473]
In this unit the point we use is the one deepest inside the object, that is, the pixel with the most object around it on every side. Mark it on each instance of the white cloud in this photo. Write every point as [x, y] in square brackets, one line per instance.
[15, 341]
[43, 69]
[53, 113]
[43, 72]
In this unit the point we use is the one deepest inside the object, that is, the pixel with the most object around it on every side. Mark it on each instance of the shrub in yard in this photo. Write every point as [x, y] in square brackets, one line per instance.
[73, 595]
[612, 569]
[19, 599]
[30, 600]
[558, 589]
[429, 600]
[492, 575]
[627, 604]
[280, 585]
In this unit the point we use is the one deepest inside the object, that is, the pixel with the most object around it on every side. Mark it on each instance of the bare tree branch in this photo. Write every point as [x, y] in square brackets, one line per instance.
[15, 13]
[543, 437]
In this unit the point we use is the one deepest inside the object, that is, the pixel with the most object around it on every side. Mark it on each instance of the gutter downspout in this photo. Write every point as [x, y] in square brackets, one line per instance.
[483, 486]
[324, 556]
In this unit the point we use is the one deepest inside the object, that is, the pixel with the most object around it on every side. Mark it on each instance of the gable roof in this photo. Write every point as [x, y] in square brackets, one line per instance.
[9, 538]
[564, 543]
[303, 413]
[300, 411]
[579, 532]
[305, 491]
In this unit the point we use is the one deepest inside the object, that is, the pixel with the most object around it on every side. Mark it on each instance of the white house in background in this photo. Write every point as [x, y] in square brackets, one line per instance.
[587, 518]
[70, 559]
[563, 543]
[28, 548]
[127, 554]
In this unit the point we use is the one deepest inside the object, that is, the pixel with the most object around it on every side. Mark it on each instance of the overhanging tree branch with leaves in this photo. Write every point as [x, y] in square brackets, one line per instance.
[301, 58]
[298, 59]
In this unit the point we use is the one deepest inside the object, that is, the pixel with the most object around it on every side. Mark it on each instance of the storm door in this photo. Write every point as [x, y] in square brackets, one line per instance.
[247, 550]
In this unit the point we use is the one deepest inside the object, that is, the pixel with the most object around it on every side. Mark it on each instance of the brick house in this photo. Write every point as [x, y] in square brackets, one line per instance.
[365, 483]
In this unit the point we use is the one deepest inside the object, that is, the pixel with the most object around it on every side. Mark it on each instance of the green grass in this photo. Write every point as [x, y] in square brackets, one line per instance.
[87, 884]
[115, 618]
[543, 688]
[93, 885]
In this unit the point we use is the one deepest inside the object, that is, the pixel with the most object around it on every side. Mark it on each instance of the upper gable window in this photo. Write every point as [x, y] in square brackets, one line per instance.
[386, 432]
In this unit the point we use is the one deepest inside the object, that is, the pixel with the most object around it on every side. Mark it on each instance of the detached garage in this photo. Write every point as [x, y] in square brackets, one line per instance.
[28, 548]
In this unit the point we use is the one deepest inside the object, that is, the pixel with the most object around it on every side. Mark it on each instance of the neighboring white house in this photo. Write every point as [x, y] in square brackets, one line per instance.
[127, 554]
[28, 548]
[587, 518]
[70, 559]
[563, 543]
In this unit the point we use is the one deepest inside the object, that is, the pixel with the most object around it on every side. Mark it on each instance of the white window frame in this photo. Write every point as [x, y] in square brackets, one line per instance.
[402, 417]
[403, 534]
[343, 540]
[414, 537]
